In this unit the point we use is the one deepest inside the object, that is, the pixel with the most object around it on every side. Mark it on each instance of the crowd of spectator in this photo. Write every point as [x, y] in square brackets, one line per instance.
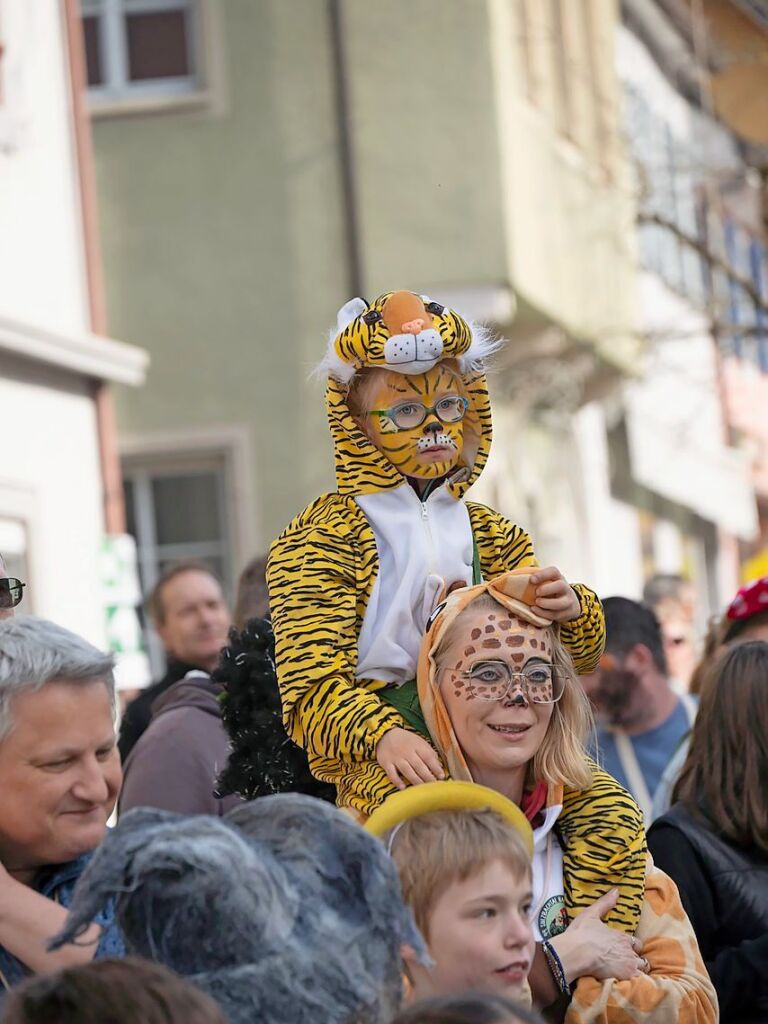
[460, 902]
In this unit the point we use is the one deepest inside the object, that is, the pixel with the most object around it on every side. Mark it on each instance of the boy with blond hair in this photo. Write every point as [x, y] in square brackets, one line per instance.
[463, 854]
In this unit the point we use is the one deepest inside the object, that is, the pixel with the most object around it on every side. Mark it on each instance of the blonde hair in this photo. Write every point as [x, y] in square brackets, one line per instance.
[561, 759]
[435, 850]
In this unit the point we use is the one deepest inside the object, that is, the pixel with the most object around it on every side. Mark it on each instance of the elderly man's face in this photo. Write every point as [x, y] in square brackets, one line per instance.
[60, 773]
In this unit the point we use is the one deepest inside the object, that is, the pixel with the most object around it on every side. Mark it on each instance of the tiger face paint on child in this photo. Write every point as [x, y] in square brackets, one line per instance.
[432, 447]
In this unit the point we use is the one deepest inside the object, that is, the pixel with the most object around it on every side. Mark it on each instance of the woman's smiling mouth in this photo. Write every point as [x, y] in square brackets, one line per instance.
[511, 732]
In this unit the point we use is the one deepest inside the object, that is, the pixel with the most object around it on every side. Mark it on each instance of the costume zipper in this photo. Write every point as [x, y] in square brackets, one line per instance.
[428, 529]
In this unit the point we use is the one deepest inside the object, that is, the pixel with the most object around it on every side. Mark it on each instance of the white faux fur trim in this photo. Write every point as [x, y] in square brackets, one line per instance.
[484, 344]
[332, 365]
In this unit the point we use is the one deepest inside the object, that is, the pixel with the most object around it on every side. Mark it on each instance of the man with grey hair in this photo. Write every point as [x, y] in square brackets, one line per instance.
[59, 780]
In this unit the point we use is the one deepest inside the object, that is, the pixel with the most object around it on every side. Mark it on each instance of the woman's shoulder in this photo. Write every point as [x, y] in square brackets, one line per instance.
[676, 817]
[681, 833]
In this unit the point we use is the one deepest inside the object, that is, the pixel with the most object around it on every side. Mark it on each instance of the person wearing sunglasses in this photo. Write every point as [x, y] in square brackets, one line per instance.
[11, 592]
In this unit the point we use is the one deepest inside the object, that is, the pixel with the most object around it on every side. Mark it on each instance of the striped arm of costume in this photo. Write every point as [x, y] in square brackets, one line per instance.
[677, 990]
[604, 846]
[314, 592]
[503, 546]
[585, 636]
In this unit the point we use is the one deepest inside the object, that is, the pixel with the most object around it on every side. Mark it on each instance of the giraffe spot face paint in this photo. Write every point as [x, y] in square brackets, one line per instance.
[430, 450]
[502, 733]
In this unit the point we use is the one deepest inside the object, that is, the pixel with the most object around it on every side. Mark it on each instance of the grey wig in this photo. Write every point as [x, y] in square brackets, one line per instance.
[285, 911]
[34, 652]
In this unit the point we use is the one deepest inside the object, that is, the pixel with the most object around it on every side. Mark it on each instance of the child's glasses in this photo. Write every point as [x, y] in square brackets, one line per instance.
[407, 415]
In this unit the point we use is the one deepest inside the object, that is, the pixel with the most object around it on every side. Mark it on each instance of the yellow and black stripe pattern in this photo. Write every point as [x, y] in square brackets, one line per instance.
[321, 573]
[603, 838]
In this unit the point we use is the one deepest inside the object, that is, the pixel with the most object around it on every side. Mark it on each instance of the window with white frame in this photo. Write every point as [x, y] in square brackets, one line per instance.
[176, 511]
[141, 48]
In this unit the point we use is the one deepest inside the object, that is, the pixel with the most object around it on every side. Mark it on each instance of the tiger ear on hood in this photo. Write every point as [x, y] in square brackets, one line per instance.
[349, 312]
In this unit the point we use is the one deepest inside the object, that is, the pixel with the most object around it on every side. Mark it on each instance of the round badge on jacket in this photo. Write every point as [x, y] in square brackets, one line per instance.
[553, 918]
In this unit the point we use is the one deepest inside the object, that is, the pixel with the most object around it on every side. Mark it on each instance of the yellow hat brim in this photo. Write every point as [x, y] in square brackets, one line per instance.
[447, 796]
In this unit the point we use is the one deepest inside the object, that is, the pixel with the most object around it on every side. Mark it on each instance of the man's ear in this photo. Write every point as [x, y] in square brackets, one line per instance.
[639, 659]
[161, 631]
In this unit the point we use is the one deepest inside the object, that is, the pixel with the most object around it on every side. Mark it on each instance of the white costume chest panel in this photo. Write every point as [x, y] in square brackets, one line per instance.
[422, 546]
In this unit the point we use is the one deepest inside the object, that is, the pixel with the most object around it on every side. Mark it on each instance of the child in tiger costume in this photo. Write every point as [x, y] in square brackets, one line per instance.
[354, 578]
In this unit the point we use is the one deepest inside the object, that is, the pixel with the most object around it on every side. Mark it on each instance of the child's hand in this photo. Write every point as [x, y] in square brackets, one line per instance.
[556, 600]
[407, 758]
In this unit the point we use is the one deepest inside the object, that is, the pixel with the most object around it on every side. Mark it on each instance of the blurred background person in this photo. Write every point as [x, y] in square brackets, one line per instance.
[11, 591]
[177, 760]
[129, 991]
[191, 617]
[746, 618]
[59, 779]
[640, 719]
[252, 596]
[714, 839]
[673, 600]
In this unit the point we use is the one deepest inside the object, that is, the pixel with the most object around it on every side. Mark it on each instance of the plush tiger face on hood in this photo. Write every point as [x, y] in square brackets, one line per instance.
[390, 361]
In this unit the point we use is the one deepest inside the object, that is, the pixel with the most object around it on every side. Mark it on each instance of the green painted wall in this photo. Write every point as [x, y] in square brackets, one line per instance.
[425, 141]
[223, 227]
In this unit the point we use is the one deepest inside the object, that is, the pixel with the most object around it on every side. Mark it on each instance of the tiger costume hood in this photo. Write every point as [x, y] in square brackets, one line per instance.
[369, 335]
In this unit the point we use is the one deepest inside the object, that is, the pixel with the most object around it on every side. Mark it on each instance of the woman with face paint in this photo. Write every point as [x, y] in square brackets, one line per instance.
[354, 578]
[504, 709]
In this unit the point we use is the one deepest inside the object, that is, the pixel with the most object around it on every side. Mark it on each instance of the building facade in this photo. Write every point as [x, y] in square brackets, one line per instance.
[674, 481]
[56, 365]
[277, 159]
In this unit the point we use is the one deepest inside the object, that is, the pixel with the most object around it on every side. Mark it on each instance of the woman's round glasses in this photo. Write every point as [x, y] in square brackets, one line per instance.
[540, 683]
[407, 415]
[10, 591]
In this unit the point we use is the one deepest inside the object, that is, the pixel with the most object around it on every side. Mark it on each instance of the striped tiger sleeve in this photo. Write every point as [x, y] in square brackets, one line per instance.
[604, 847]
[503, 546]
[312, 576]
[585, 637]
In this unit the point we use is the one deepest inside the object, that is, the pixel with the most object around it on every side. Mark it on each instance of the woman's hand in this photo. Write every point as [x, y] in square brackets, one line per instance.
[407, 758]
[556, 599]
[590, 948]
